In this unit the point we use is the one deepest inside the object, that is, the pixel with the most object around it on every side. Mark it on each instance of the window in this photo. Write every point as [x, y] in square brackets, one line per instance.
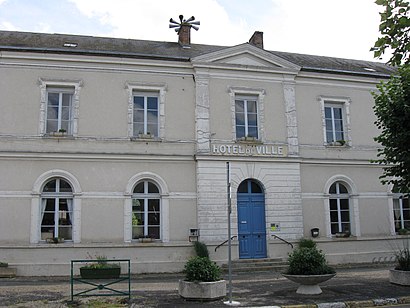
[246, 117]
[339, 208]
[56, 210]
[59, 106]
[401, 211]
[146, 207]
[59, 110]
[334, 123]
[145, 114]
[336, 120]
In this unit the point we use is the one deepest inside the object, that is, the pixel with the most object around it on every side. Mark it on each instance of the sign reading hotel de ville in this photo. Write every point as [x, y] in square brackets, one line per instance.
[250, 150]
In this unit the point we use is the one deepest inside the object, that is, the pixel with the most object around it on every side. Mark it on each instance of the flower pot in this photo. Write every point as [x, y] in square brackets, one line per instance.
[309, 284]
[202, 291]
[100, 273]
[400, 277]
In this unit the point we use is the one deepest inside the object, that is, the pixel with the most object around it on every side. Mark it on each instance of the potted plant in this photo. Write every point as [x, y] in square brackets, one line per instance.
[100, 269]
[401, 273]
[202, 278]
[55, 240]
[149, 238]
[4, 264]
[308, 267]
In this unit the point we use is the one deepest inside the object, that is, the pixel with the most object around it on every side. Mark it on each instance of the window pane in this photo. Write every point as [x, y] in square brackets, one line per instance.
[138, 128]
[243, 187]
[152, 129]
[251, 106]
[342, 189]
[333, 216]
[339, 136]
[332, 189]
[138, 102]
[328, 113]
[65, 232]
[339, 125]
[253, 132]
[65, 113]
[138, 116]
[329, 125]
[53, 99]
[65, 186]
[240, 131]
[153, 205]
[52, 113]
[255, 188]
[50, 186]
[334, 228]
[66, 100]
[329, 136]
[153, 232]
[344, 204]
[333, 204]
[345, 227]
[137, 205]
[240, 118]
[239, 106]
[153, 219]
[152, 116]
[252, 120]
[345, 216]
[152, 188]
[137, 232]
[337, 113]
[152, 103]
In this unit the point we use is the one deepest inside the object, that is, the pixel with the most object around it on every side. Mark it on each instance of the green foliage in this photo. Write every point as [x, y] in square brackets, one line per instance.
[308, 260]
[201, 249]
[392, 109]
[202, 269]
[101, 263]
[4, 264]
[403, 259]
[307, 243]
[394, 29]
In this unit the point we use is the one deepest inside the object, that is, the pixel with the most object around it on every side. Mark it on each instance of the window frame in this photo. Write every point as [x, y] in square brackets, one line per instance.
[399, 199]
[145, 95]
[65, 86]
[344, 104]
[338, 196]
[56, 196]
[146, 196]
[236, 93]
[160, 90]
[246, 113]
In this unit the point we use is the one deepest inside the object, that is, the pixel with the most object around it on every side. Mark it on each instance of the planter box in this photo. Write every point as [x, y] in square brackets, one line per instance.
[100, 273]
[202, 291]
[400, 277]
[309, 284]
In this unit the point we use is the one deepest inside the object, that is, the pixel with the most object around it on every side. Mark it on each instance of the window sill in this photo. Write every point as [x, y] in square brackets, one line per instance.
[337, 145]
[145, 138]
[249, 140]
[57, 135]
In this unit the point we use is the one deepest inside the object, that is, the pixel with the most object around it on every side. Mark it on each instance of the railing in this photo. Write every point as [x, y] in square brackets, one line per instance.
[281, 239]
[223, 243]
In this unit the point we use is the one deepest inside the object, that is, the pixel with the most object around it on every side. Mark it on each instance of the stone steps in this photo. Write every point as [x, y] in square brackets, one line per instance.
[257, 265]
[8, 272]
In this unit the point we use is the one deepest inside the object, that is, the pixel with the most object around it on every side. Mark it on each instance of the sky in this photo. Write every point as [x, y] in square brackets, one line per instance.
[335, 28]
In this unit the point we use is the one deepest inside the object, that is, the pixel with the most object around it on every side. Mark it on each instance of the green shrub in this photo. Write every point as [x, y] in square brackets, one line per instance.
[307, 243]
[201, 249]
[308, 261]
[403, 259]
[202, 269]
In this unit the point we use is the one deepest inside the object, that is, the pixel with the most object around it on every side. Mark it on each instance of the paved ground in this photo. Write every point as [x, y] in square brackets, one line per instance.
[363, 287]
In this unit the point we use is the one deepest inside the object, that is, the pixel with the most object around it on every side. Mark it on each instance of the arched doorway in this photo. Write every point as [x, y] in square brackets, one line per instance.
[251, 220]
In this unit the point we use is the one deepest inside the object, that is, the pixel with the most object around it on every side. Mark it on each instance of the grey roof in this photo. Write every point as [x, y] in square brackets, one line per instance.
[117, 47]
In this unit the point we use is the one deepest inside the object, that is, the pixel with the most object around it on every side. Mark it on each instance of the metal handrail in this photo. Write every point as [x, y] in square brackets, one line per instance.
[223, 243]
[281, 239]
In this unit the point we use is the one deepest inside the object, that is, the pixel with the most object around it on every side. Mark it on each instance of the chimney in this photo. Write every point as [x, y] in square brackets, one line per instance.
[257, 39]
[183, 28]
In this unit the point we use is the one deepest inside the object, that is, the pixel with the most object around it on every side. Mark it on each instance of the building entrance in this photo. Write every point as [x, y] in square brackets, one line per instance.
[251, 220]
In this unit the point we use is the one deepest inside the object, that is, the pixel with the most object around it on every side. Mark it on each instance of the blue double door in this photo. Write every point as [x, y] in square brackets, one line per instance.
[251, 220]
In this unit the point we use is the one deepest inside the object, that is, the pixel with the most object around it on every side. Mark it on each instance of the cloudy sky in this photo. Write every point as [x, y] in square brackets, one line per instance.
[337, 28]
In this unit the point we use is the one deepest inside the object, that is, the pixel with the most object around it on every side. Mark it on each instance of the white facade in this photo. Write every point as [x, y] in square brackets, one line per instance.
[144, 152]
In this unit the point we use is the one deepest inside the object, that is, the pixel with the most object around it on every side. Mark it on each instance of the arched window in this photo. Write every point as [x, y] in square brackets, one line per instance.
[401, 211]
[57, 210]
[146, 211]
[339, 208]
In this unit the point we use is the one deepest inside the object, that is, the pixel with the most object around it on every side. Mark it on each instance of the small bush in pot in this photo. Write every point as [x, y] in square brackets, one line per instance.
[403, 259]
[201, 249]
[202, 269]
[308, 260]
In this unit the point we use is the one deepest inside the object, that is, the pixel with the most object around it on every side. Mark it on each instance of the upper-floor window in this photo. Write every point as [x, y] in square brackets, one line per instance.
[56, 210]
[335, 119]
[334, 123]
[246, 117]
[146, 110]
[339, 208]
[59, 110]
[145, 114]
[59, 106]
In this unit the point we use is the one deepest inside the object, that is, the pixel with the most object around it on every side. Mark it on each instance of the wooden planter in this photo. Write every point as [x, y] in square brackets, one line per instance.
[100, 273]
[202, 291]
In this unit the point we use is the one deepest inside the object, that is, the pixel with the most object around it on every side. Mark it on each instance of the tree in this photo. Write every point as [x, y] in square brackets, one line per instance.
[395, 30]
[392, 109]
